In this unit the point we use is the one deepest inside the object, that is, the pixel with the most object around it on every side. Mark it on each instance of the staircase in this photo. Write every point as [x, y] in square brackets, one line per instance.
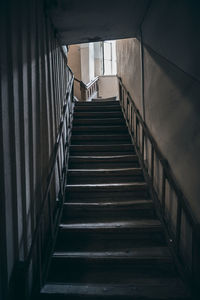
[110, 244]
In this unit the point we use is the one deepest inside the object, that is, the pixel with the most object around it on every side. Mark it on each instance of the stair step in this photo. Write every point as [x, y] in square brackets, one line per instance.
[107, 210]
[145, 261]
[98, 139]
[100, 102]
[99, 129]
[111, 161]
[136, 256]
[109, 235]
[137, 288]
[97, 108]
[117, 191]
[99, 115]
[93, 122]
[76, 176]
[138, 260]
[101, 149]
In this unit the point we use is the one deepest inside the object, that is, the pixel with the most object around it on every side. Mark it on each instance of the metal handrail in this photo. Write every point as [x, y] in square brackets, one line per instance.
[36, 253]
[55, 154]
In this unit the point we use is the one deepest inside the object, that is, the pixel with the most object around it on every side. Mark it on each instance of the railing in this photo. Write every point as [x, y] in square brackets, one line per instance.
[88, 90]
[33, 270]
[181, 227]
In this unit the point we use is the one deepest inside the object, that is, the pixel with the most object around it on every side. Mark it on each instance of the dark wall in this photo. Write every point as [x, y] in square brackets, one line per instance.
[172, 29]
[32, 89]
[170, 102]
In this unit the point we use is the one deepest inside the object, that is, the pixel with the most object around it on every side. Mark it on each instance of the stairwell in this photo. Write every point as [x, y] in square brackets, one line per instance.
[110, 244]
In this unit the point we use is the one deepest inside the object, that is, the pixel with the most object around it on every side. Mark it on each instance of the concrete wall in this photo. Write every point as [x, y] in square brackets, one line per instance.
[74, 62]
[171, 86]
[108, 86]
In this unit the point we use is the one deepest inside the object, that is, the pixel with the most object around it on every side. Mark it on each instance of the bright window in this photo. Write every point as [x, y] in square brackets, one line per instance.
[109, 58]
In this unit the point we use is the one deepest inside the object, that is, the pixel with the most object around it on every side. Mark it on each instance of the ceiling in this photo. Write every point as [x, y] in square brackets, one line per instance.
[82, 21]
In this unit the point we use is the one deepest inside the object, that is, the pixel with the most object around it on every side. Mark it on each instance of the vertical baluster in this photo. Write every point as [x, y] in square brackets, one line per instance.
[152, 164]
[59, 174]
[142, 143]
[136, 130]
[178, 225]
[127, 113]
[131, 118]
[39, 263]
[50, 214]
[163, 190]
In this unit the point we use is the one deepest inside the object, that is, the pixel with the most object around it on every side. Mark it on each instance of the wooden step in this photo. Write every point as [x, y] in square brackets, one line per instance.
[99, 129]
[101, 149]
[109, 235]
[99, 139]
[99, 115]
[73, 211]
[93, 122]
[111, 161]
[151, 260]
[110, 191]
[97, 108]
[137, 289]
[76, 176]
[134, 226]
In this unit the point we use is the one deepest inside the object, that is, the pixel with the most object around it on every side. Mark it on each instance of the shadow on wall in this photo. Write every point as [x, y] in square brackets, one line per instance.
[172, 113]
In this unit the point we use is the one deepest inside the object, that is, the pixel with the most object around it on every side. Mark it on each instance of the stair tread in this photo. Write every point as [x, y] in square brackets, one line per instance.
[98, 108]
[109, 204]
[99, 127]
[140, 224]
[101, 102]
[153, 288]
[102, 146]
[106, 157]
[137, 253]
[137, 170]
[109, 184]
[101, 136]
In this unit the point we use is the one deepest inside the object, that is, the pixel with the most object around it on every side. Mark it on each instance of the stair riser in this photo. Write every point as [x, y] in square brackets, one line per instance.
[101, 139]
[97, 108]
[101, 130]
[80, 267]
[100, 102]
[107, 241]
[102, 179]
[95, 122]
[105, 297]
[83, 215]
[105, 196]
[100, 142]
[93, 165]
[99, 115]
[102, 148]
[102, 153]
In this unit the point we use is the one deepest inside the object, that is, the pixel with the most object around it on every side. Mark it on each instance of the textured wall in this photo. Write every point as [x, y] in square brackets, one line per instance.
[108, 86]
[171, 87]
[32, 89]
[74, 62]
[129, 67]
